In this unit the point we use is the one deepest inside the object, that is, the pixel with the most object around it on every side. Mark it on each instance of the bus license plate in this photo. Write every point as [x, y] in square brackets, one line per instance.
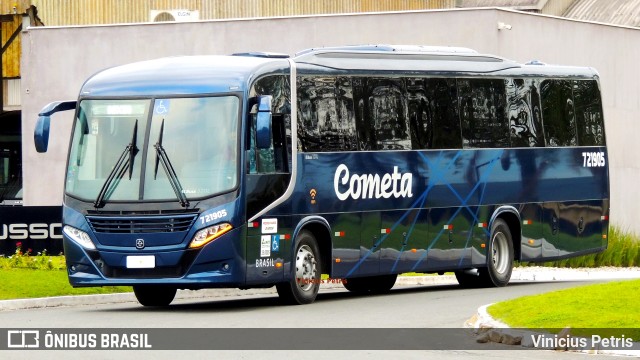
[141, 262]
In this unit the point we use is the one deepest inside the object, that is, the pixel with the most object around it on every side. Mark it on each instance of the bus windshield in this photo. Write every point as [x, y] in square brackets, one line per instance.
[114, 150]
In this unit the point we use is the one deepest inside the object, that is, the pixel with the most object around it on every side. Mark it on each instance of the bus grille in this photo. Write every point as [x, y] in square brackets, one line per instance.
[142, 224]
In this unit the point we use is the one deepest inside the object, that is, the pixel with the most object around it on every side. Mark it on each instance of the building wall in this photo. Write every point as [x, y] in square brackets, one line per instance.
[58, 60]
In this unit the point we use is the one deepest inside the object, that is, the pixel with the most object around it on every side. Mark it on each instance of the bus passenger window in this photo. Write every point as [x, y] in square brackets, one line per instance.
[588, 113]
[326, 114]
[444, 105]
[558, 113]
[420, 117]
[387, 111]
[483, 113]
[524, 114]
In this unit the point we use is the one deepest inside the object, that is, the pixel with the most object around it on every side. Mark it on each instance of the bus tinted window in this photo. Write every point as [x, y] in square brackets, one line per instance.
[387, 111]
[588, 113]
[524, 114]
[433, 114]
[558, 113]
[326, 114]
[483, 113]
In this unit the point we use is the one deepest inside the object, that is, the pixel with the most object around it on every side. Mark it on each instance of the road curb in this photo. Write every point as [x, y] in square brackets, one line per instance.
[489, 329]
[81, 300]
[519, 274]
[128, 297]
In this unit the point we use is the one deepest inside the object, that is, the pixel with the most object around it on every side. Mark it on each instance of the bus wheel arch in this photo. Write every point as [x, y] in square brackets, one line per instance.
[510, 216]
[499, 255]
[304, 283]
[320, 229]
[311, 252]
[503, 247]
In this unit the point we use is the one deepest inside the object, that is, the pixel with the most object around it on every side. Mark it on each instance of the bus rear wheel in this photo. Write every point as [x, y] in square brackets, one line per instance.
[154, 295]
[372, 284]
[305, 283]
[499, 256]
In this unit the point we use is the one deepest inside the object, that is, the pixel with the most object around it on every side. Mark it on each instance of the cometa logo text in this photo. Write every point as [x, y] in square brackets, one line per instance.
[370, 186]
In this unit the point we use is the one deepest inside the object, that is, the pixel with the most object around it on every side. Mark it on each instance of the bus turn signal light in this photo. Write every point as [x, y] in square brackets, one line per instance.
[209, 234]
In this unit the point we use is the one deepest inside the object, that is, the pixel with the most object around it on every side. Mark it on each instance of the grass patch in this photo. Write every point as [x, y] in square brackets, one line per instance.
[23, 275]
[33, 283]
[609, 309]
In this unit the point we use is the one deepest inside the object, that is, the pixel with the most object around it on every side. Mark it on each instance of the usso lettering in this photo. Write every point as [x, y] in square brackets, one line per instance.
[368, 186]
[36, 231]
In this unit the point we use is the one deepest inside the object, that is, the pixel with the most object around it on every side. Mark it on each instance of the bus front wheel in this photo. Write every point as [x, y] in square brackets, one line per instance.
[305, 283]
[152, 295]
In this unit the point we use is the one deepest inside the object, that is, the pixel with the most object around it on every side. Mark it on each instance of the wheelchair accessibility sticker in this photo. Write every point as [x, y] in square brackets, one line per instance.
[275, 243]
[161, 107]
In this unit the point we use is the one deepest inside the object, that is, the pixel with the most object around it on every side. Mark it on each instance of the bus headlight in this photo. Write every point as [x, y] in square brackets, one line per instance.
[79, 237]
[209, 234]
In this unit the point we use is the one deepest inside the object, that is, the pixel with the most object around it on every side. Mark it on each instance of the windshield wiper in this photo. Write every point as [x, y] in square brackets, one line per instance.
[161, 157]
[123, 164]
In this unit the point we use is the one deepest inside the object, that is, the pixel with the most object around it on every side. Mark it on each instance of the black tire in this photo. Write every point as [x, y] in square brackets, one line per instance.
[499, 256]
[372, 284]
[305, 280]
[356, 285]
[467, 280]
[154, 295]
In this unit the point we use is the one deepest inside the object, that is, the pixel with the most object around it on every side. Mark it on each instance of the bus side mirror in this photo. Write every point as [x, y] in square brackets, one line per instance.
[41, 132]
[263, 123]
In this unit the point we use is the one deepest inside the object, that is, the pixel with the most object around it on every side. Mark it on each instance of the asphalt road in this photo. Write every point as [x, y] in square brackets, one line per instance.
[435, 306]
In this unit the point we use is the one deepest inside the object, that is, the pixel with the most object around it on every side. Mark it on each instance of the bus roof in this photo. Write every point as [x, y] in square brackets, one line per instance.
[223, 74]
[428, 59]
[205, 74]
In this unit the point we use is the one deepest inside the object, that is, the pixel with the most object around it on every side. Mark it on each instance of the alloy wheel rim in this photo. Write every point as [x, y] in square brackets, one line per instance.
[306, 268]
[500, 252]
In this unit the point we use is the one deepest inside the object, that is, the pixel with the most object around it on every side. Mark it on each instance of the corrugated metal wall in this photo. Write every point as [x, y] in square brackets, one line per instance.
[6, 6]
[11, 94]
[11, 55]
[556, 7]
[73, 12]
[621, 12]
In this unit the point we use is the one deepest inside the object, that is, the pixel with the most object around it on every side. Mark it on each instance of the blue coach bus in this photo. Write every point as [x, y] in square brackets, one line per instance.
[359, 162]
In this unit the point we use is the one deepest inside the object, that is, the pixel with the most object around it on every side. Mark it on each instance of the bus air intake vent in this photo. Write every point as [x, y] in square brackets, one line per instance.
[141, 224]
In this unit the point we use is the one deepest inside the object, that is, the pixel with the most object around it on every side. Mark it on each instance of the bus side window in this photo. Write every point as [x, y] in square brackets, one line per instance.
[277, 158]
[279, 142]
[420, 114]
[433, 113]
[260, 160]
[326, 114]
[588, 107]
[558, 113]
[388, 113]
[483, 113]
[444, 105]
[524, 114]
